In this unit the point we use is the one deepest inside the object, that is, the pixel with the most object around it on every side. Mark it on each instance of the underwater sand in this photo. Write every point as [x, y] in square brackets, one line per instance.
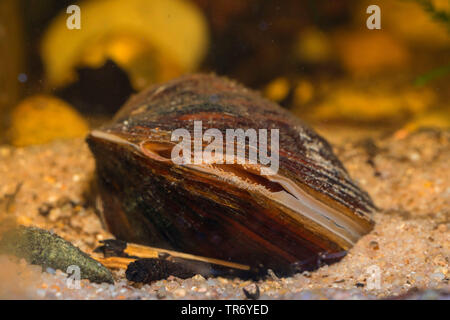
[407, 175]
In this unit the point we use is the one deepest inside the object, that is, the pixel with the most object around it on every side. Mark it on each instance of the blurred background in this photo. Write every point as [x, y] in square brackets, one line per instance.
[315, 58]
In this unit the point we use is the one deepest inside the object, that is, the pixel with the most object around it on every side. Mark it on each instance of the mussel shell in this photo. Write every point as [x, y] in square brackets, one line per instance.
[229, 211]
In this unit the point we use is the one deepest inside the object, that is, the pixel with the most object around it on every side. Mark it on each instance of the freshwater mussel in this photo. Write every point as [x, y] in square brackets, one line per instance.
[232, 211]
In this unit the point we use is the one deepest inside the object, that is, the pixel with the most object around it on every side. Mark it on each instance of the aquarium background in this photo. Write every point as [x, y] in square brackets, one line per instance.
[316, 58]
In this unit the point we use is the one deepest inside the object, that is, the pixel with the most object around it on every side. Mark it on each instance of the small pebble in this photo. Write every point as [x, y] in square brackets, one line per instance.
[374, 245]
[252, 291]
[438, 276]
[50, 270]
[198, 277]
[179, 293]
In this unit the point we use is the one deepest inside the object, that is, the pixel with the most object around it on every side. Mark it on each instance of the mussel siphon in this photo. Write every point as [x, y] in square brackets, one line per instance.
[226, 211]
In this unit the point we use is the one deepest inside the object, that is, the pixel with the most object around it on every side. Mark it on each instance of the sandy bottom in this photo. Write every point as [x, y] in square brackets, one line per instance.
[406, 255]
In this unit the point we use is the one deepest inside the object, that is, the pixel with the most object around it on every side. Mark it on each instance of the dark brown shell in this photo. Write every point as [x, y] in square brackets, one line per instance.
[227, 212]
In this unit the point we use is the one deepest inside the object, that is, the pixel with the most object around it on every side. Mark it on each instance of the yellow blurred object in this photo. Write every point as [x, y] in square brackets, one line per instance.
[41, 119]
[441, 5]
[366, 53]
[313, 46]
[278, 89]
[153, 40]
[409, 21]
[373, 104]
[304, 93]
[144, 63]
[434, 119]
